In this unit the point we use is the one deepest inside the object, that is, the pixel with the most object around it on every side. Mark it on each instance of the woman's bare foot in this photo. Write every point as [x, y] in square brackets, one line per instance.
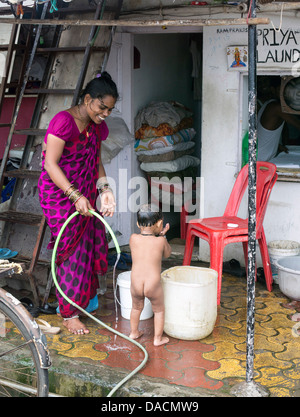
[75, 326]
[160, 341]
[135, 335]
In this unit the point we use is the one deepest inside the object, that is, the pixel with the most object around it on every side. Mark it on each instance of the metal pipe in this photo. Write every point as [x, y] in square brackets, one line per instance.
[252, 119]
[23, 388]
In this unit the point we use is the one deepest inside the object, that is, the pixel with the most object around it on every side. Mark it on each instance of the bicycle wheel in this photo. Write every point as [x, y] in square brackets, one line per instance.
[20, 370]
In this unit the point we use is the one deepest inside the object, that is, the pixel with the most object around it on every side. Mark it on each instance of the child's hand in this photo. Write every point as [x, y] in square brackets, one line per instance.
[165, 229]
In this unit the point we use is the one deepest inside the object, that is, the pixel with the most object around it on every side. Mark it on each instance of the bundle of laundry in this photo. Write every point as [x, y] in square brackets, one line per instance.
[166, 153]
[118, 137]
[164, 147]
[162, 119]
[158, 142]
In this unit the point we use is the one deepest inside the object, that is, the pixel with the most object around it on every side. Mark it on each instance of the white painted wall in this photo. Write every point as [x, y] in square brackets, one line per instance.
[221, 129]
[5, 33]
[165, 72]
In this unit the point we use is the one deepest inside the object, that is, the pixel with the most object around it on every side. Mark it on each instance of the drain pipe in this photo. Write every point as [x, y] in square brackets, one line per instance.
[252, 119]
[249, 388]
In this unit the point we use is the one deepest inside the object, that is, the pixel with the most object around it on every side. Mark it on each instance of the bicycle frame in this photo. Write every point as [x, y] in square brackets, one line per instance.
[38, 338]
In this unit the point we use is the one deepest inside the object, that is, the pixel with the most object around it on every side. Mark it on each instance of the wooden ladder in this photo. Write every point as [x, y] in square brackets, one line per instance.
[29, 51]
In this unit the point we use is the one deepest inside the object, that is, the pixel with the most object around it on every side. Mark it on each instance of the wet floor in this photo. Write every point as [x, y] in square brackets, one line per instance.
[212, 366]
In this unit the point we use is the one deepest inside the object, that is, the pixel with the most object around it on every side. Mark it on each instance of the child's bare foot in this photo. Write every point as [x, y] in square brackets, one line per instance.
[160, 341]
[75, 326]
[135, 335]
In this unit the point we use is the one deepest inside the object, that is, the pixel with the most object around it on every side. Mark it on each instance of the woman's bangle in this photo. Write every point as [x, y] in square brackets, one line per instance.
[101, 182]
[70, 195]
[103, 186]
[105, 189]
[78, 198]
[74, 196]
[108, 190]
[68, 188]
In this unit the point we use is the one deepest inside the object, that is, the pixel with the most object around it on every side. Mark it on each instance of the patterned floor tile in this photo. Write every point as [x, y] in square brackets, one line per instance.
[195, 378]
[192, 359]
[268, 359]
[229, 368]
[213, 363]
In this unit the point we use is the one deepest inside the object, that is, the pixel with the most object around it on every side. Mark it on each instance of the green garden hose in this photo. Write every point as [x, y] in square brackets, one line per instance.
[84, 311]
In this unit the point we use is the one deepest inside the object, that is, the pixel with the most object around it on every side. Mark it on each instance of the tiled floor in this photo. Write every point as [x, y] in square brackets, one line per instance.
[213, 364]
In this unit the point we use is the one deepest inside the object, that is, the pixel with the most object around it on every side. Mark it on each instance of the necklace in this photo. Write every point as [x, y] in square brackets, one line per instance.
[84, 119]
[148, 234]
[80, 118]
[79, 112]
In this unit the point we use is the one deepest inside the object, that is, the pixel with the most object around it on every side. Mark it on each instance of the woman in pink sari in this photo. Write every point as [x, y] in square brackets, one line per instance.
[71, 173]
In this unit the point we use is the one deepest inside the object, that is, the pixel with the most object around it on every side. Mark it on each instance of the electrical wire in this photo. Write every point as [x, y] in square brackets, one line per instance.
[142, 364]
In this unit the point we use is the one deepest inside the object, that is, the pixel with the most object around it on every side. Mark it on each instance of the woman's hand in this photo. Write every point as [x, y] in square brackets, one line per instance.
[165, 229]
[83, 206]
[108, 203]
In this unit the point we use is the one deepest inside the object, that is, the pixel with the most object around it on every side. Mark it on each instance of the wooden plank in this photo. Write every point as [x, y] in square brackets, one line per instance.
[22, 173]
[149, 23]
[21, 217]
[31, 131]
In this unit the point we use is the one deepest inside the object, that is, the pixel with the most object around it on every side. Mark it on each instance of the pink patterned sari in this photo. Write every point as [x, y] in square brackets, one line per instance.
[82, 250]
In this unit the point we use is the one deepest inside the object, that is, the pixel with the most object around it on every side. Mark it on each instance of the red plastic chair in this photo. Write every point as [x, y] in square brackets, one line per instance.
[218, 233]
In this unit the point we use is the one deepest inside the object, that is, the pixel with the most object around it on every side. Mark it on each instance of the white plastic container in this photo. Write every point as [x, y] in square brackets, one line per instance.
[125, 300]
[289, 276]
[279, 249]
[190, 295]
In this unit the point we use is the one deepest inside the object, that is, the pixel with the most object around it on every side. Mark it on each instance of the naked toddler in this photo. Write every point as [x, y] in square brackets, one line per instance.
[147, 250]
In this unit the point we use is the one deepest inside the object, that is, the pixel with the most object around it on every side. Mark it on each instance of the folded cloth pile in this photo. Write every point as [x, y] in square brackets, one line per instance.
[162, 118]
[164, 142]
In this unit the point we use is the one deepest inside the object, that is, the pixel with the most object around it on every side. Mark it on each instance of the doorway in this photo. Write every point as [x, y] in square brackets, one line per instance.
[168, 68]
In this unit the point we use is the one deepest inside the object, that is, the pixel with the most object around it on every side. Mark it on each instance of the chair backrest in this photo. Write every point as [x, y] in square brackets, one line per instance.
[265, 179]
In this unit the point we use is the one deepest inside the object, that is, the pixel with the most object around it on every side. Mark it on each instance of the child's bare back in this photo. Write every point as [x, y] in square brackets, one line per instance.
[147, 251]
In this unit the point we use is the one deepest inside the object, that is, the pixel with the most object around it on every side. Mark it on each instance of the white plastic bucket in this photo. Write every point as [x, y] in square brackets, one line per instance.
[125, 300]
[279, 249]
[190, 295]
[289, 276]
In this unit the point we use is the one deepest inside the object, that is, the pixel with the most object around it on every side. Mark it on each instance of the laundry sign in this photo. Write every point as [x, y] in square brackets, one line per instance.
[279, 47]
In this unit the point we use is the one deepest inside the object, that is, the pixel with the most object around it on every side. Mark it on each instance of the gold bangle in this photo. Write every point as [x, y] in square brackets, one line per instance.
[78, 198]
[70, 190]
[100, 182]
[107, 190]
[74, 196]
[71, 185]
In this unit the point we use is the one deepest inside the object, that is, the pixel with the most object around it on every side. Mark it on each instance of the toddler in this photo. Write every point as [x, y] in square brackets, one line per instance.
[147, 250]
